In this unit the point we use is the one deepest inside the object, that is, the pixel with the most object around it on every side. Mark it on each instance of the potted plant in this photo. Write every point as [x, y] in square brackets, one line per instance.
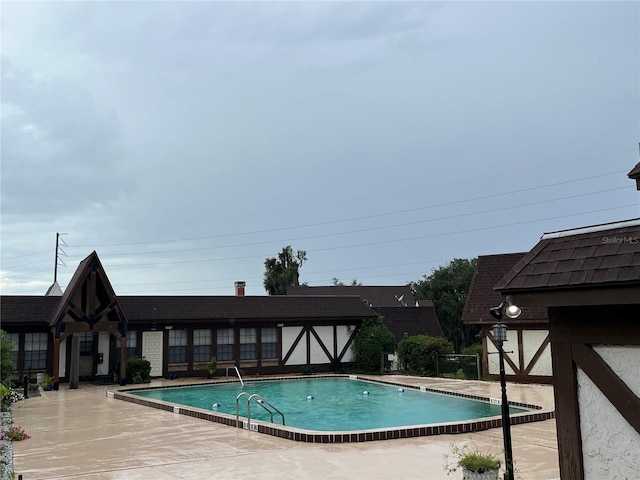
[209, 368]
[47, 383]
[475, 465]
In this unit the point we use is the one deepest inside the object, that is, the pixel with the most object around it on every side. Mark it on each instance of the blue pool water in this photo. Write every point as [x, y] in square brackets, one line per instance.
[332, 404]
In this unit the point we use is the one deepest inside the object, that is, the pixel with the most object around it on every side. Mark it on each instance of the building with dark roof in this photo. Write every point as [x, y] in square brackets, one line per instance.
[589, 280]
[402, 314]
[89, 331]
[529, 354]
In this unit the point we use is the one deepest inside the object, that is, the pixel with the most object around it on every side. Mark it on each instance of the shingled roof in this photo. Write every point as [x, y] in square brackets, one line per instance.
[634, 174]
[194, 308]
[596, 256]
[375, 295]
[411, 320]
[482, 296]
[28, 309]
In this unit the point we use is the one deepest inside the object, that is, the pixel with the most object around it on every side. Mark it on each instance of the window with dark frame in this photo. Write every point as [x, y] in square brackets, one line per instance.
[35, 351]
[202, 346]
[177, 346]
[248, 344]
[86, 343]
[224, 345]
[132, 339]
[15, 338]
[269, 341]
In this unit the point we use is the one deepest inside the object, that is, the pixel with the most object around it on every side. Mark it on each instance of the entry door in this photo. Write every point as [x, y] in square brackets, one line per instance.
[152, 351]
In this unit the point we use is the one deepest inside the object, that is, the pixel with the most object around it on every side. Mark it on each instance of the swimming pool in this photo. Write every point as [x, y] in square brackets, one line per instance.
[332, 404]
[319, 410]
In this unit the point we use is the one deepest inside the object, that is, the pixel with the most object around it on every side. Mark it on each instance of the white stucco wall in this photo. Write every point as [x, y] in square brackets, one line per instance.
[343, 334]
[610, 446]
[317, 355]
[299, 355]
[531, 342]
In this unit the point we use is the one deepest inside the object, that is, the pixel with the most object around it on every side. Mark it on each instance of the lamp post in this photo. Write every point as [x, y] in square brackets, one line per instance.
[500, 336]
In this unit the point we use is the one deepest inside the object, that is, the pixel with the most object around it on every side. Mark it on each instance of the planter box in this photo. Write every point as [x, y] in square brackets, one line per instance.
[488, 475]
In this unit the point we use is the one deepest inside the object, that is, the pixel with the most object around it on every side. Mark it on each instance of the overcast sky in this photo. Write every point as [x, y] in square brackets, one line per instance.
[186, 142]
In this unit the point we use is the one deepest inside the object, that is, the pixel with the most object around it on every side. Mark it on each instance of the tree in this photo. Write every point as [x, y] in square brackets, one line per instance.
[283, 272]
[337, 283]
[369, 343]
[447, 287]
[6, 364]
[419, 353]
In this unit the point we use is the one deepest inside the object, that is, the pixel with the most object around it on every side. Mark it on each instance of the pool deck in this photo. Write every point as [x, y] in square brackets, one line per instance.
[83, 434]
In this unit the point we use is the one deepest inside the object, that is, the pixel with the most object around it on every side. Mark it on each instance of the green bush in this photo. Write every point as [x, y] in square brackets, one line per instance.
[472, 350]
[370, 342]
[470, 367]
[419, 353]
[6, 364]
[138, 370]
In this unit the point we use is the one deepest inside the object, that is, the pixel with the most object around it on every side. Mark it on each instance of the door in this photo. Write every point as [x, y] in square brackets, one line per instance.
[152, 351]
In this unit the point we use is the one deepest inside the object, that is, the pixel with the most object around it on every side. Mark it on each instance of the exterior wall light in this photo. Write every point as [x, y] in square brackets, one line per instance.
[512, 310]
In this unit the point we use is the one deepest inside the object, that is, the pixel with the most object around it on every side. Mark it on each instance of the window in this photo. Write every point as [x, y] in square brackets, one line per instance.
[86, 343]
[201, 345]
[132, 340]
[225, 345]
[15, 338]
[177, 346]
[248, 345]
[269, 342]
[35, 351]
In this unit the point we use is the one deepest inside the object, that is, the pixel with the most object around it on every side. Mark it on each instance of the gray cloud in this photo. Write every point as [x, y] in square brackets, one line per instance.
[243, 127]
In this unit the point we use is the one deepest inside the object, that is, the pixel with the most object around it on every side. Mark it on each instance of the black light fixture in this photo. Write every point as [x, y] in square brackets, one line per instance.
[499, 332]
[512, 310]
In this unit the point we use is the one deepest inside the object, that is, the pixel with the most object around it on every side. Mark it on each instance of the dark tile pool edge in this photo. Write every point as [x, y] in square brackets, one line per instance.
[300, 435]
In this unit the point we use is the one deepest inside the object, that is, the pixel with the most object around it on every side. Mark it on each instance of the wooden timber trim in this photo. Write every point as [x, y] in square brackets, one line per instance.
[573, 331]
[537, 355]
[618, 393]
[567, 412]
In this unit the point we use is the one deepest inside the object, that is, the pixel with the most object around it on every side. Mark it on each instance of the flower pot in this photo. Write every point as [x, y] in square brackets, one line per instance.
[486, 475]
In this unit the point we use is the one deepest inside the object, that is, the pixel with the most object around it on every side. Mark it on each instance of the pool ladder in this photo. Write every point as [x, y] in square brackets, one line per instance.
[259, 400]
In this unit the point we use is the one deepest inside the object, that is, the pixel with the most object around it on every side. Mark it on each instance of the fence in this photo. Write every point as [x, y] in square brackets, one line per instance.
[459, 366]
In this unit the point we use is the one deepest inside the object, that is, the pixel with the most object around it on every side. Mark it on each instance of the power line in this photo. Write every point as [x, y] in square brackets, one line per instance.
[366, 217]
[368, 229]
[420, 237]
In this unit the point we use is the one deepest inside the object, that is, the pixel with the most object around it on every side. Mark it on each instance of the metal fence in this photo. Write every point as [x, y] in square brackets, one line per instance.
[459, 366]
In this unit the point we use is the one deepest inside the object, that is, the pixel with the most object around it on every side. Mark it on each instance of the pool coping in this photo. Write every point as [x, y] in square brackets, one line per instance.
[314, 436]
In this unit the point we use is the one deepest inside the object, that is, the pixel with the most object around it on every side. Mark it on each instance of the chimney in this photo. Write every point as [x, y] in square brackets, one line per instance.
[240, 288]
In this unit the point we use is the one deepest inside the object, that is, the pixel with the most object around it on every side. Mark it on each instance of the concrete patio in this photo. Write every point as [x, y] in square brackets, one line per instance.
[83, 434]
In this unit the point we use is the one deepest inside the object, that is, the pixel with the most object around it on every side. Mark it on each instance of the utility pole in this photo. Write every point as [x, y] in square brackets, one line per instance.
[57, 259]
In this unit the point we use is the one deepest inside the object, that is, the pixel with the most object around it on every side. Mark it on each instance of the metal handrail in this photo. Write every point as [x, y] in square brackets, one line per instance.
[256, 398]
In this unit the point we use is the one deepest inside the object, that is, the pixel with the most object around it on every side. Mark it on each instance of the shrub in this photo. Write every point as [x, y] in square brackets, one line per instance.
[6, 364]
[9, 397]
[370, 342]
[419, 353]
[15, 434]
[469, 458]
[472, 350]
[138, 370]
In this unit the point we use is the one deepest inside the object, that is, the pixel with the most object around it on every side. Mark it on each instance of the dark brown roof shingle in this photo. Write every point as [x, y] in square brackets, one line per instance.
[610, 255]
[482, 296]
